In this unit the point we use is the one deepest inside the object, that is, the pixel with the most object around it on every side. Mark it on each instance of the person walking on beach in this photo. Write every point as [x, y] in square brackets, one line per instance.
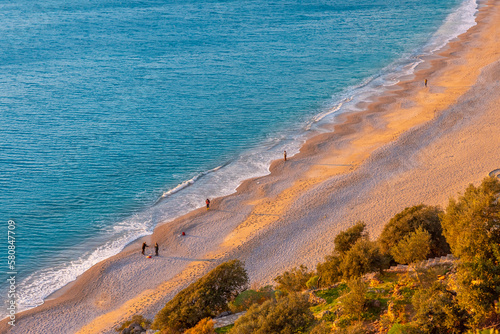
[208, 203]
[144, 247]
[425, 82]
[156, 249]
[284, 155]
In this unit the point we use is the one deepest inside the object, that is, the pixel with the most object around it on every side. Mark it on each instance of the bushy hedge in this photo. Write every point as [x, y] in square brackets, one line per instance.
[287, 315]
[472, 227]
[407, 221]
[249, 297]
[207, 297]
[294, 280]
[205, 326]
[346, 239]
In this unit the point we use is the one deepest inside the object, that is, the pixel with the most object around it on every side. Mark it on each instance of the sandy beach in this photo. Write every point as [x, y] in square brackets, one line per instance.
[414, 145]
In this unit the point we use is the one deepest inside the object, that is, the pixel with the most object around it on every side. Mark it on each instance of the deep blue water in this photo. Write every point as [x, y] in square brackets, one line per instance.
[113, 113]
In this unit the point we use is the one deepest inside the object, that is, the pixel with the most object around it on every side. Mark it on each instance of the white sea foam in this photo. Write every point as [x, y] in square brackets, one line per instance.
[189, 182]
[455, 24]
[223, 180]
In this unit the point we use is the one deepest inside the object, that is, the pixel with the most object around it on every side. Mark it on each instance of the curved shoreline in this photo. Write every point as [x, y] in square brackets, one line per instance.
[331, 173]
[370, 88]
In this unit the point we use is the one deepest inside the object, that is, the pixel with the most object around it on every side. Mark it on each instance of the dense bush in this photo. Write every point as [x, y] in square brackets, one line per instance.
[329, 271]
[472, 224]
[294, 280]
[289, 314]
[407, 221]
[353, 303]
[436, 310]
[206, 297]
[249, 297]
[472, 227]
[362, 258]
[403, 329]
[321, 328]
[205, 326]
[346, 239]
[312, 283]
[412, 248]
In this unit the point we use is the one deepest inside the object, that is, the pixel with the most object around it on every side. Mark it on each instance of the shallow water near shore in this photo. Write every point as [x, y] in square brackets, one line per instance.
[117, 117]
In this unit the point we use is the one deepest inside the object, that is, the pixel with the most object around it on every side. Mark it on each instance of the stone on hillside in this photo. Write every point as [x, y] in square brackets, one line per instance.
[223, 314]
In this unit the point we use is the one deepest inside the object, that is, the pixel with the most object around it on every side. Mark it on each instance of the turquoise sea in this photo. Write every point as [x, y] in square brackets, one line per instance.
[118, 115]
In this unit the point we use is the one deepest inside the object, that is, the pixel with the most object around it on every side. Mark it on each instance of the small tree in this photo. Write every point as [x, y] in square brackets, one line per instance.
[407, 221]
[471, 225]
[330, 271]
[289, 314]
[346, 239]
[412, 248]
[249, 297]
[354, 302]
[206, 297]
[294, 280]
[362, 258]
[205, 326]
[436, 310]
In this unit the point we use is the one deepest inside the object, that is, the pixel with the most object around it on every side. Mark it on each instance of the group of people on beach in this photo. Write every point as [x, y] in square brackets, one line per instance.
[144, 245]
[207, 203]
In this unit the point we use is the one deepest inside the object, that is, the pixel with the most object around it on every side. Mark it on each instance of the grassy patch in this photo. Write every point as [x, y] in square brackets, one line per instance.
[224, 329]
[331, 295]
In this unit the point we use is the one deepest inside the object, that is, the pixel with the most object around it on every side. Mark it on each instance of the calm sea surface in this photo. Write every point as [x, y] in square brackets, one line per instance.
[117, 115]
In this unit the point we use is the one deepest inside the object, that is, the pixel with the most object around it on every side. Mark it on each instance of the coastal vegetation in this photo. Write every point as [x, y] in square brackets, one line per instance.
[206, 297]
[355, 291]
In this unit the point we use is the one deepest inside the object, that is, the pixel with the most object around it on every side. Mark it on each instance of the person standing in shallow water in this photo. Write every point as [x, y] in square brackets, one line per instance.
[207, 202]
[144, 247]
[156, 249]
[284, 155]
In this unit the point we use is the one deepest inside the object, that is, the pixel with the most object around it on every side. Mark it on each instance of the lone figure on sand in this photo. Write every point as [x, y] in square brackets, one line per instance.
[156, 249]
[144, 247]
[284, 155]
[208, 203]
[425, 82]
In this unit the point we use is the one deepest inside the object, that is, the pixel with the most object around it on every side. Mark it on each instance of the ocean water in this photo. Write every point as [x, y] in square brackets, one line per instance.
[116, 116]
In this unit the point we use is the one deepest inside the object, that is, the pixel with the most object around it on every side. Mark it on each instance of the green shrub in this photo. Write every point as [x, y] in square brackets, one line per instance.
[330, 270]
[403, 329]
[205, 326]
[249, 297]
[413, 247]
[436, 310]
[312, 283]
[355, 328]
[478, 289]
[362, 258]
[471, 226]
[353, 303]
[407, 221]
[289, 314]
[346, 239]
[139, 319]
[321, 328]
[294, 280]
[207, 297]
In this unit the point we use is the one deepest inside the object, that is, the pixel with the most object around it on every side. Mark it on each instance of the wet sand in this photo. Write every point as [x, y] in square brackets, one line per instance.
[413, 145]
